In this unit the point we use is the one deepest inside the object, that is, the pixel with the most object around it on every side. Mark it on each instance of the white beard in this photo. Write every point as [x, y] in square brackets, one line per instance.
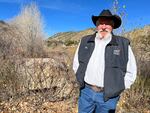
[106, 36]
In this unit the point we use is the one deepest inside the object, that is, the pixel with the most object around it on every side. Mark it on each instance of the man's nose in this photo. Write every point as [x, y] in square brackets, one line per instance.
[103, 25]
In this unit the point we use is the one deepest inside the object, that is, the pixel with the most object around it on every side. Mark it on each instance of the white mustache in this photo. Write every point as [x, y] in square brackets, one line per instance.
[107, 35]
[103, 30]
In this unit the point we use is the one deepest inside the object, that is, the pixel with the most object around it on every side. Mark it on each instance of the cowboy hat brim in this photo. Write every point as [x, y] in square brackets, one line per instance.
[115, 18]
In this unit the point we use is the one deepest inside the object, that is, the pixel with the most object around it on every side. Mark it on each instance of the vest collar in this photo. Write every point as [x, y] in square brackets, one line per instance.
[92, 38]
[112, 42]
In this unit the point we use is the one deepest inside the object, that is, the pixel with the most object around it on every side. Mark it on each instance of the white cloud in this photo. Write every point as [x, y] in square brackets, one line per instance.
[63, 6]
[60, 5]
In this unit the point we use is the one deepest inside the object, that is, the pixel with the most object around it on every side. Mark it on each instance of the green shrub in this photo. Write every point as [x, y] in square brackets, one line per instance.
[70, 42]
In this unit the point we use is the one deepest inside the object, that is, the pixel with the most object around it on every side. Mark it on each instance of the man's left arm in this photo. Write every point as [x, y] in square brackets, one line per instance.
[131, 72]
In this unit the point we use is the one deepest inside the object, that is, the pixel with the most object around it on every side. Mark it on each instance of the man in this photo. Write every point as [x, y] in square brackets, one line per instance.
[104, 65]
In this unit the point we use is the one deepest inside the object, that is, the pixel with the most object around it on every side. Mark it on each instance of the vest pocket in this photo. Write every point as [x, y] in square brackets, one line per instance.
[83, 56]
[116, 61]
[114, 81]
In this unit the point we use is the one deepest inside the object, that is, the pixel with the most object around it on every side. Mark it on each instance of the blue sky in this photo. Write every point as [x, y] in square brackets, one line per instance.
[75, 15]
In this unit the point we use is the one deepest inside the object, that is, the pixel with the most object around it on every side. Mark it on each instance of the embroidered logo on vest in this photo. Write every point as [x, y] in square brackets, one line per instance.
[86, 47]
[116, 52]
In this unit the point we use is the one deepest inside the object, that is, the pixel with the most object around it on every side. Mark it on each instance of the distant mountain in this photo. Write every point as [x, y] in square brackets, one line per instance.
[71, 35]
[68, 38]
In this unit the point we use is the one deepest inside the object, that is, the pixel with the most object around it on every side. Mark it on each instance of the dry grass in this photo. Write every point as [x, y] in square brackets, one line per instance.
[136, 99]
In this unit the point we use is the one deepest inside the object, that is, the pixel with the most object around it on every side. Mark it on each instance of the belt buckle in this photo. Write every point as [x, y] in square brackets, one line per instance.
[97, 89]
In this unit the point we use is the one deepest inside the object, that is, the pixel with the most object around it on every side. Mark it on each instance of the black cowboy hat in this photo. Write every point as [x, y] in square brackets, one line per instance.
[107, 14]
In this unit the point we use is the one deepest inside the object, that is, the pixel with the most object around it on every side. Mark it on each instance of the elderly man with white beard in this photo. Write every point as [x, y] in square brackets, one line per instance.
[104, 65]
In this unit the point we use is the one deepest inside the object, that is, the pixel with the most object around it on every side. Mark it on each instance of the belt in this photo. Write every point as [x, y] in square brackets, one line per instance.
[95, 88]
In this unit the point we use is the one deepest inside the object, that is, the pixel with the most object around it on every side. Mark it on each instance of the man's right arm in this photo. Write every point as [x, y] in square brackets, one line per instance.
[75, 60]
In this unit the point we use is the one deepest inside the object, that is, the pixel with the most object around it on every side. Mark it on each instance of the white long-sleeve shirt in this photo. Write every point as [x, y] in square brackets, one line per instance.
[95, 69]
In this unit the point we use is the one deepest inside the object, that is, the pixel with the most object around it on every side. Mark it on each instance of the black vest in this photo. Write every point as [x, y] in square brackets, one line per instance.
[116, 58]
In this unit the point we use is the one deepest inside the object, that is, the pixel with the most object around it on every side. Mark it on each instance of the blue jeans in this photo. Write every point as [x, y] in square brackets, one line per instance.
[92, 102]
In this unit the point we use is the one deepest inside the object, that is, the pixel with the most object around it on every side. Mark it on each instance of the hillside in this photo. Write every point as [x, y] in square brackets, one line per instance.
[71, 35]
[135, 36]
[140, 41]
[68, 38]
[139, 38]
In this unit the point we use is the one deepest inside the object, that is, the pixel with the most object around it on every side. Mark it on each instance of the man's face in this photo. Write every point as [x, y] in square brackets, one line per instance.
[104, 27]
